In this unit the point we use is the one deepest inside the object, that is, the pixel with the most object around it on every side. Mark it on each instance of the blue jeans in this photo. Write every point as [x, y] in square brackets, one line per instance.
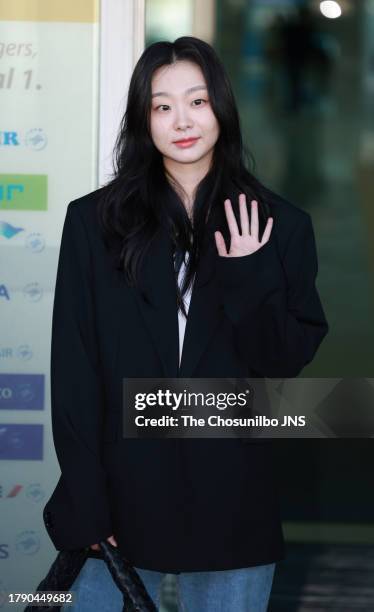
[238, 590]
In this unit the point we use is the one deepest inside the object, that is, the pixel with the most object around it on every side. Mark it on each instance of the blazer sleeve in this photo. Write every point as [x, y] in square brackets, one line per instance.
[273, 304]
[77, 397]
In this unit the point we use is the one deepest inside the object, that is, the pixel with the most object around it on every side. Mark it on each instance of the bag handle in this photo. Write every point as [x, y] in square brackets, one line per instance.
[68, 563]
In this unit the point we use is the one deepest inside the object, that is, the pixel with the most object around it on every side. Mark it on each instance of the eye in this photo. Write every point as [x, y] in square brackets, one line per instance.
[199, 100]
[157, 107]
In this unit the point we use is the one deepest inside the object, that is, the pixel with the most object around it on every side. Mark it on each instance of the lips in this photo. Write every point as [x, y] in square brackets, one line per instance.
[186, 143]
[185, 140]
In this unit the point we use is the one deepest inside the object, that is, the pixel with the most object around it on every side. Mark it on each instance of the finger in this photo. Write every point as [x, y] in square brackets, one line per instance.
[220, 243]
[94, 546]
[112, 541]
[244, 220]
[267, 230]
[254, 219]
[233, 226]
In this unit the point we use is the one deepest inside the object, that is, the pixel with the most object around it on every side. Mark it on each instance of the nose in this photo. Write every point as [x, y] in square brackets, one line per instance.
[182, 120]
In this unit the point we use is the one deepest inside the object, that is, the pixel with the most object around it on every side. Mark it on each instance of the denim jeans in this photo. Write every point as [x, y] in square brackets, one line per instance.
[239, 590]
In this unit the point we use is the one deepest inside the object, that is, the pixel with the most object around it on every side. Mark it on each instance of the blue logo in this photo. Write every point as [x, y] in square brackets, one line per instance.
[35, 242]
[36, 139]
[33, 292]
[21, 441]
[8, 231]
[35, 492]
[28, 542]
[21, 391]
[24, 352]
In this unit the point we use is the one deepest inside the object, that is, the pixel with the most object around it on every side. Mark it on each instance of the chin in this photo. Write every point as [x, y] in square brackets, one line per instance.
[187, 156]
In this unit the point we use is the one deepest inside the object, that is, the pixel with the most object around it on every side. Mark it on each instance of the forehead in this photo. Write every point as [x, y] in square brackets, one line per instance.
[178, 77]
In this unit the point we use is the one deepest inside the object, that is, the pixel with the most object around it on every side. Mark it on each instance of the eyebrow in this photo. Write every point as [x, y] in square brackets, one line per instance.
[190, 90]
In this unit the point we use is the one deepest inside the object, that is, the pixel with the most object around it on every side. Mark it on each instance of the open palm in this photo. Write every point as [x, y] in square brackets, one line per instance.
[247, 241]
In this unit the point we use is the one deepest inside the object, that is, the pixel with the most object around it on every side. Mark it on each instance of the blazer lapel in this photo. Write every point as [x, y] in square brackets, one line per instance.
[159, 308]
[204, 314]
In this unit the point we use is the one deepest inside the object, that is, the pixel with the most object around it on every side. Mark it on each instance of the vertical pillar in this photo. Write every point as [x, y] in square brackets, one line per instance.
[121, 44]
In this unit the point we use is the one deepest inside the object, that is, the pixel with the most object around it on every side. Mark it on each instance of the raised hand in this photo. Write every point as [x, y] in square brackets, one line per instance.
[247, 242]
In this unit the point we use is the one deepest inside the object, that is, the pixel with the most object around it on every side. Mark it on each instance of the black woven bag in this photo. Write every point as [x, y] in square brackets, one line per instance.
[68, 563]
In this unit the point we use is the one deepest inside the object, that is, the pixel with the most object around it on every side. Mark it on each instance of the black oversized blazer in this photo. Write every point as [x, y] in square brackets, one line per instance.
[173, 504]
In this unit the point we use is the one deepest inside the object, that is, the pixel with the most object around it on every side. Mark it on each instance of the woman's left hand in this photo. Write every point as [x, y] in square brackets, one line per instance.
[247, 242]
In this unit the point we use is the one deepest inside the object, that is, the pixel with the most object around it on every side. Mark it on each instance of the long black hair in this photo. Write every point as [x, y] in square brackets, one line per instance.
[140, 196]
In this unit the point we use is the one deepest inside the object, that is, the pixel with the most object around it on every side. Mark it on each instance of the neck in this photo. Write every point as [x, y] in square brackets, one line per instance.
[188, 176]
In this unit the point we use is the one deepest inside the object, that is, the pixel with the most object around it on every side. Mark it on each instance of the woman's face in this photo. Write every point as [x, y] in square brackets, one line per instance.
[181, 110]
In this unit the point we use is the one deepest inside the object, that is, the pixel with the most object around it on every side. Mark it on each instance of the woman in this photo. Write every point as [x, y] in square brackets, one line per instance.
[204, 509]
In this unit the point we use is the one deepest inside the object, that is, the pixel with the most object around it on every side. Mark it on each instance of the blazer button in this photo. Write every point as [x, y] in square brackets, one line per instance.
[48, 519]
